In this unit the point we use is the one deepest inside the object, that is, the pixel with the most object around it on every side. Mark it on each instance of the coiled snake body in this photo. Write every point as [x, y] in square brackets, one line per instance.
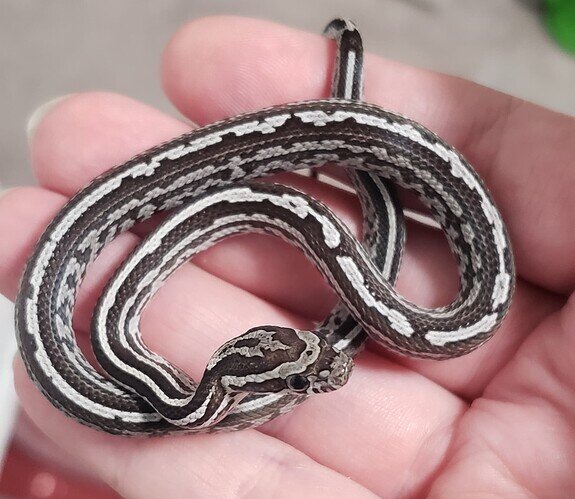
[210, 173]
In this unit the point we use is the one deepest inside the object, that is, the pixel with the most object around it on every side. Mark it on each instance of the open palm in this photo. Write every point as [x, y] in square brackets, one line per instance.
[499, 421]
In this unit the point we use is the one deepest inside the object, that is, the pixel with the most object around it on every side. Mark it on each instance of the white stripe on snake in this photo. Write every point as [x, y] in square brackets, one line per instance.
[210, 174]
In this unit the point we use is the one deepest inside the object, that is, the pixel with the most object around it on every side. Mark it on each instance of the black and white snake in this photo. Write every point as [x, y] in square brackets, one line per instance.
[210, 173]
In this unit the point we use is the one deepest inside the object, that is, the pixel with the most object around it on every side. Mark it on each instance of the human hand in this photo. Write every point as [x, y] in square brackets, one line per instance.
[498, 421]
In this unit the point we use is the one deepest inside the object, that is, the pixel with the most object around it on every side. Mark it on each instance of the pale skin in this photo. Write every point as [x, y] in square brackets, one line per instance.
[498, 422]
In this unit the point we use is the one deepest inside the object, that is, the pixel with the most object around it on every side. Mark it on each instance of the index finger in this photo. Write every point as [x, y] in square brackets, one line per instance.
[522, 151]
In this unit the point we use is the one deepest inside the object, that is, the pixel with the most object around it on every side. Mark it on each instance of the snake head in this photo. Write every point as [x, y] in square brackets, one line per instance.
[270, 359]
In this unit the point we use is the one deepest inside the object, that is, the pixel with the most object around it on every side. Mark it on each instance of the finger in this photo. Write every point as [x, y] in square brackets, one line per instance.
[219, 465]
[522, 151]
[388, 422]
[195, 312]
[428, 276]
[468, 376]
[535, 396]
[38, 446]
[25, 212]
[117, 129]
[100, 126]
[108, 129]
[29, 208]
[39, 468]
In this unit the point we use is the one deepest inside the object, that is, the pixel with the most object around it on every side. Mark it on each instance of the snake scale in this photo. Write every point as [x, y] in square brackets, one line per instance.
[208, 178]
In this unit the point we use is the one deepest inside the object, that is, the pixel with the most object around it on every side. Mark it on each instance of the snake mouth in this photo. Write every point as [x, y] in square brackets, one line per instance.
[340, 372]
[333, 377]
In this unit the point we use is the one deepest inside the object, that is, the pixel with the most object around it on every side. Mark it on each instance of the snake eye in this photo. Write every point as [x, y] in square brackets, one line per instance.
[297, 383]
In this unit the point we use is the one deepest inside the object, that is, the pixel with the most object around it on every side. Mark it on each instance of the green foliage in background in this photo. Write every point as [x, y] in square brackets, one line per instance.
[560, 20]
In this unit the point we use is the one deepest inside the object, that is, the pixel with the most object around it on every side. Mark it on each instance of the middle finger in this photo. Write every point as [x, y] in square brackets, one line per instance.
[87, 134]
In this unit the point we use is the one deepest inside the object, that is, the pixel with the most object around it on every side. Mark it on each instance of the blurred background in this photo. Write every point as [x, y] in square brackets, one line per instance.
[52, 48]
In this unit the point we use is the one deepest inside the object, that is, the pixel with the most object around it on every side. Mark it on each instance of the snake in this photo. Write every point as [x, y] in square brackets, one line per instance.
[209, 180]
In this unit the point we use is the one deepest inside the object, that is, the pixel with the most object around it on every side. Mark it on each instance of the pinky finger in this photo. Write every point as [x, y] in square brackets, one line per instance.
[240, 464]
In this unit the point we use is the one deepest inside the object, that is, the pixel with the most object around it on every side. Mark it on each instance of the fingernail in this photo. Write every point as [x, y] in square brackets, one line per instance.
[39, 113]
